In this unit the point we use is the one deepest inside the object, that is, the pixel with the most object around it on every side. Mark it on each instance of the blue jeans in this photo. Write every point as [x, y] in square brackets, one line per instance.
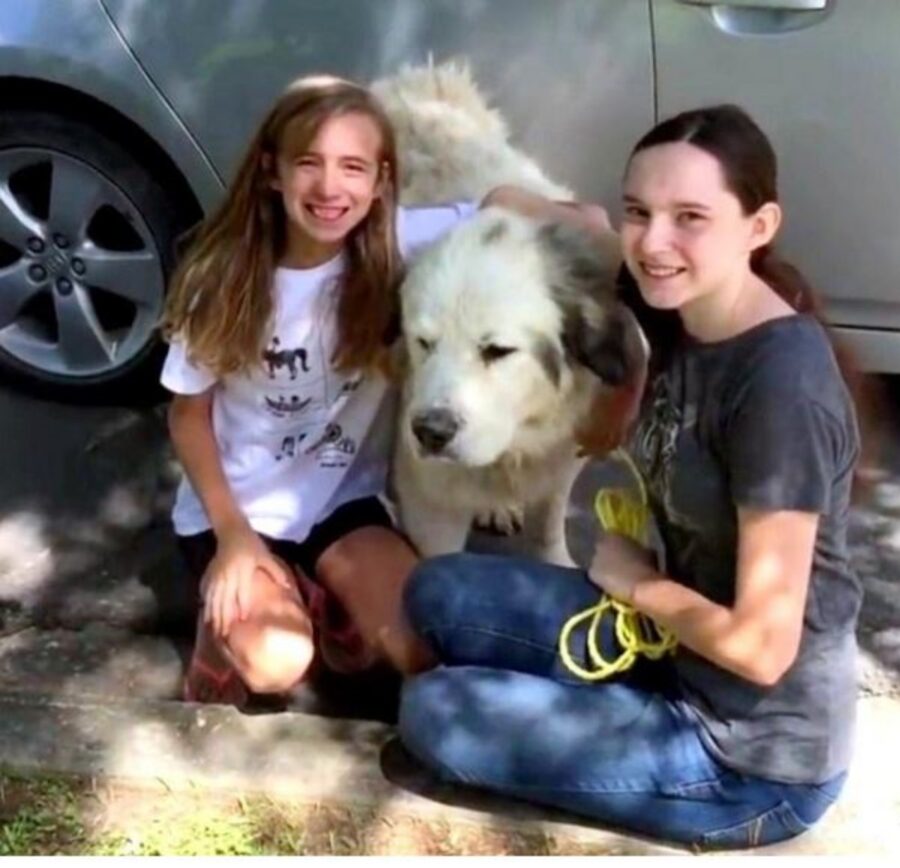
[503, 714]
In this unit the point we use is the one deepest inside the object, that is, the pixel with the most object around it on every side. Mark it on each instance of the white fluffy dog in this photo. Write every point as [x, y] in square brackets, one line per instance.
[510, 327]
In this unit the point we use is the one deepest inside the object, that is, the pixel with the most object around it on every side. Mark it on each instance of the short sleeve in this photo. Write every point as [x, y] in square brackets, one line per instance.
[782, 449]
[182, 376]
[419, 227]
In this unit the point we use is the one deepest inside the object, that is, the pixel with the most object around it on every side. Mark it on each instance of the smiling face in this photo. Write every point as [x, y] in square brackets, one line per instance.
[328, 187]
[685, 235]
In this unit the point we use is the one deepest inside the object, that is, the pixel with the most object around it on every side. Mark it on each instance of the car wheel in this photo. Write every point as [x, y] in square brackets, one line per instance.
[86, 245]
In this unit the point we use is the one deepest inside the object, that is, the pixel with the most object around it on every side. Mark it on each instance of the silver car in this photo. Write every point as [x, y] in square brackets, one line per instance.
[120, 121]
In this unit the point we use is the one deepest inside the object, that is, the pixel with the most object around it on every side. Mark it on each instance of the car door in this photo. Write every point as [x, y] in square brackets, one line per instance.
[820, 77]
[574, 78]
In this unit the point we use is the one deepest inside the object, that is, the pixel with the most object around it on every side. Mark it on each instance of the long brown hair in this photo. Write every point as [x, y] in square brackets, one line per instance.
[220, 299]
[750, 171]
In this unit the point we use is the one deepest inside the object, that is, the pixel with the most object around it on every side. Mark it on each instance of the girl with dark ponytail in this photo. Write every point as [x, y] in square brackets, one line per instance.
[747, 441]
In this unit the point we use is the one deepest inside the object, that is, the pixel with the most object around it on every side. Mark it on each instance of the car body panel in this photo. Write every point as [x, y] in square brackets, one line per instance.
[222, 65]
[822, 85]
[75, 45]
[577, 80]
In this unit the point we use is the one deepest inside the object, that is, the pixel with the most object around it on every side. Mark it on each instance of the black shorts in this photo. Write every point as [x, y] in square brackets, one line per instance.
[200, 548]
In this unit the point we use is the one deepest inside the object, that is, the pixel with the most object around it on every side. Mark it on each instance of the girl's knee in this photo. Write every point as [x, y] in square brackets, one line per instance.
[366, 551]
[435, 727]
[422, 703]
[273, 659]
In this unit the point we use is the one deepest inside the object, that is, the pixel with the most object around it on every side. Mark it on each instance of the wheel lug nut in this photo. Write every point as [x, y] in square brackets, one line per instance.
[78, 266]
[60, 240]
[64, 285]
[35, 245]
[37, 273]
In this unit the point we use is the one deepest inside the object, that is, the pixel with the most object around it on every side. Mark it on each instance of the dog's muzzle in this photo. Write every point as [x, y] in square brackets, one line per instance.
[434, 429]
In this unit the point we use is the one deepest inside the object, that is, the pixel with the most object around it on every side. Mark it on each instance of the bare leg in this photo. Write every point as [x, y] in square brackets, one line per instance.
[367, 571]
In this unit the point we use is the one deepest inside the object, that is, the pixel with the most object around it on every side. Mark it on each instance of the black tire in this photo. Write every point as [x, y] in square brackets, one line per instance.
[75, 149]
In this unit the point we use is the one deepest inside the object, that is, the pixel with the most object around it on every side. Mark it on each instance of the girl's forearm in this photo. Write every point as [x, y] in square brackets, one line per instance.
[196, 448]
[590, 218]
[715, 632]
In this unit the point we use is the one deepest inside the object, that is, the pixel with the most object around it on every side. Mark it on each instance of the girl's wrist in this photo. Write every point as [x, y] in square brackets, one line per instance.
[639, 588]
[231, 526]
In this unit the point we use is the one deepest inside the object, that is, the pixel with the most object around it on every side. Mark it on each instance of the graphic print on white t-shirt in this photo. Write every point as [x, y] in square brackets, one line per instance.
[306, 395]
[283, 408]
[334, 448]
[289, 446]
[292, 359]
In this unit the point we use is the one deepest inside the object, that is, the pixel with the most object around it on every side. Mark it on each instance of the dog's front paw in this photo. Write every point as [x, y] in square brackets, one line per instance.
[500, 522]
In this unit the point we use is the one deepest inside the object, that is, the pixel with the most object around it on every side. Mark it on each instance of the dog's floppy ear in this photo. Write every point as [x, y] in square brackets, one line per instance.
[607, 344]
[598, 331]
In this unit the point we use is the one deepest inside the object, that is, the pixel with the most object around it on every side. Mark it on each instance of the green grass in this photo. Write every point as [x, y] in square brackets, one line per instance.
[45, 815]
[203, 833]
[56, 816]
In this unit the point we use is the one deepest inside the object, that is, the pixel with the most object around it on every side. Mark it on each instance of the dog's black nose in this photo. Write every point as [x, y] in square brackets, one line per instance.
[434, 429]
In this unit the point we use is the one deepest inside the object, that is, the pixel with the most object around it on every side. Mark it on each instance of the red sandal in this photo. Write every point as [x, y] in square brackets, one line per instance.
[212, 682]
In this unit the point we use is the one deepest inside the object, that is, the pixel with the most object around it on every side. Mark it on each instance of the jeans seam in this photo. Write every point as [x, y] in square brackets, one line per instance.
[621, 787]
[431, 631]
[754, 825]
[688, 788]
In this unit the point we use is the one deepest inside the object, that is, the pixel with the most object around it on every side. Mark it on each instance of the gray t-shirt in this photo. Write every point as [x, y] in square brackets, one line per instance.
[762, 420]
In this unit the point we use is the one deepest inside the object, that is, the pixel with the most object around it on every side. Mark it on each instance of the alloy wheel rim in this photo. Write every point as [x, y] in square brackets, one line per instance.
[81, 281]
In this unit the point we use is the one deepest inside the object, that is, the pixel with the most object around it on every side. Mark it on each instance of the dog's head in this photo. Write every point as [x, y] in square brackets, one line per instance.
[500, 321]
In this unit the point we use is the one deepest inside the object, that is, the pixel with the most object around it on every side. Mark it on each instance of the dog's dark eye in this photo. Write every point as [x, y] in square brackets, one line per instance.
[425, 345]
[492, 352]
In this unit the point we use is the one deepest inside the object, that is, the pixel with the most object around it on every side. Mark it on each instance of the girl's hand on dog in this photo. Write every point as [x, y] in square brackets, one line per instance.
[228, 584]
[620, 565]
[588, 216]
[595, 218]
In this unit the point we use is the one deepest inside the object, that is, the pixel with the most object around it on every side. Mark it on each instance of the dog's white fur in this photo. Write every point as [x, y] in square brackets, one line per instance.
[498, 282]
[453, 146]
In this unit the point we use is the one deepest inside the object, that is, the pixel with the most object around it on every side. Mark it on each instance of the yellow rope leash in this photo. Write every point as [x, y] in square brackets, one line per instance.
[619, 511]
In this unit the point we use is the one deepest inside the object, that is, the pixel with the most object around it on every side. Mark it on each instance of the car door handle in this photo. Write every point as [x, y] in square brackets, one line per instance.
[782, 5]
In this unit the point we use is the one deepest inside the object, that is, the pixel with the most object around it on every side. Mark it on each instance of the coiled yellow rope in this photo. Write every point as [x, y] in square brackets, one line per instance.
[618, 511]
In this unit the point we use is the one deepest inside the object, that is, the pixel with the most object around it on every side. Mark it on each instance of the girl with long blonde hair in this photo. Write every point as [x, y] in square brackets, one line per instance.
[278, 319]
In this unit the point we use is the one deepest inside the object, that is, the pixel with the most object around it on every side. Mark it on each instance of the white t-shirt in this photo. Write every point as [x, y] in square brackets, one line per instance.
[296, 438]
